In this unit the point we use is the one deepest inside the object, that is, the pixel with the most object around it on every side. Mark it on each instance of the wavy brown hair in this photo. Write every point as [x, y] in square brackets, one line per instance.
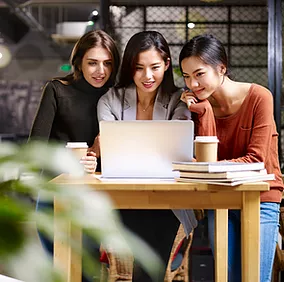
[97, 38]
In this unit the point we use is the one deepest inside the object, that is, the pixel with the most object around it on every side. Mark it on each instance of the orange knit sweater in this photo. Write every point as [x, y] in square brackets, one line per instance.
[249, 135]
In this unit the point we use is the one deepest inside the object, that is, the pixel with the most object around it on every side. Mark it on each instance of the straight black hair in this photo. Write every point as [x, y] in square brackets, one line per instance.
[207, 48]
[140, 42]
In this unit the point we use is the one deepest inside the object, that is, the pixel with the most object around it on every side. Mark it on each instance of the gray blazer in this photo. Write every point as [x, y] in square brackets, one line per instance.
[112, 105]
[121, 104]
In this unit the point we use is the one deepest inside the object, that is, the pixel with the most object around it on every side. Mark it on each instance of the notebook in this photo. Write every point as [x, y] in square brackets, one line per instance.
[144, 149]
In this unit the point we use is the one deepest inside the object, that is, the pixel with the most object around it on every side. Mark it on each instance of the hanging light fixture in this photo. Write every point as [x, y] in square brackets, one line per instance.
[5, 56]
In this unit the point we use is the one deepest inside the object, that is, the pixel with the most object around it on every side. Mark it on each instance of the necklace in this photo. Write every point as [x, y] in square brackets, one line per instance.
[145, 109]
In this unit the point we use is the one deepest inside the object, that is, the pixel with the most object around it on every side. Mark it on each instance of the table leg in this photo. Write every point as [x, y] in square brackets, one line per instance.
[67, 259]
[250, 225]
[221, 245]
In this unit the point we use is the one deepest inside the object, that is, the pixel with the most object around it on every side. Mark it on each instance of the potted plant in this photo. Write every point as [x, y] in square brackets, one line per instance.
[21, 179]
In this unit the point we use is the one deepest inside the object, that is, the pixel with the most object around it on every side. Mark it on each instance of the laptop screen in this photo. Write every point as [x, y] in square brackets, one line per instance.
[144, 149]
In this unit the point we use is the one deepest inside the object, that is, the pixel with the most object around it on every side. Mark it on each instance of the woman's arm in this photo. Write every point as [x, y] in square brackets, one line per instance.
[44, 118]
[107, 106]
[202, 116]
[105, 112]
[96, 148]
[178, 109]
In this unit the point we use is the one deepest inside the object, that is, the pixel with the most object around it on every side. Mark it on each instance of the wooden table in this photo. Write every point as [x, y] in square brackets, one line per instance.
[175, 195]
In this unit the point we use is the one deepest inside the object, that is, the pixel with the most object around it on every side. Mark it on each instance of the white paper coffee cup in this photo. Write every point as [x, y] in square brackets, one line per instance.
[206, 148]
[79, 149]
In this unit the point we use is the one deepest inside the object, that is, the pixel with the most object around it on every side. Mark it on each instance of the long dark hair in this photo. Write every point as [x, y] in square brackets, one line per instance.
[143, 41]
[97, 38]
[207, 48]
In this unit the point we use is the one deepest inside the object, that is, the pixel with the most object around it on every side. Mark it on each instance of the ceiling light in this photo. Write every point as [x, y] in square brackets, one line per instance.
[191, 25]
[5, 56]
[95, 13]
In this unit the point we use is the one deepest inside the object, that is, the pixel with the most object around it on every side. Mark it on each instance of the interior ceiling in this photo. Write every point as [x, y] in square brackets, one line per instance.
[140, 2]
[79, 10]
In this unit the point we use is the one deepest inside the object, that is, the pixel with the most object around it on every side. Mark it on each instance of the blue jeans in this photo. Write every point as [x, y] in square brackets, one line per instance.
[269, 224]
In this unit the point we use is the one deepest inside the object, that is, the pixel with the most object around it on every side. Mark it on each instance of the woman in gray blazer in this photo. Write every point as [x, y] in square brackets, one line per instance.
[146, 91]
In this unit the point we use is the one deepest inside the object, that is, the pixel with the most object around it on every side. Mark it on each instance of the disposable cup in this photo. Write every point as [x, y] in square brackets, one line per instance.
[206, 148]
[79, 149]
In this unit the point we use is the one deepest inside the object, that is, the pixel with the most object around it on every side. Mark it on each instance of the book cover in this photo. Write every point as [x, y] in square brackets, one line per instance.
[229, 182]
[220, 175]
[216, 166]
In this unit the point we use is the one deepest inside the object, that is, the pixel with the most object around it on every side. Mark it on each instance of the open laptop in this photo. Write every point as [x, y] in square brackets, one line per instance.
[144, 149]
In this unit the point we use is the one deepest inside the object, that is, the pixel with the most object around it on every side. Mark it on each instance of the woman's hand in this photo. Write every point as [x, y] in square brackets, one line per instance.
[194, 105]
[188, 98]
[96, 146]
[89, 162]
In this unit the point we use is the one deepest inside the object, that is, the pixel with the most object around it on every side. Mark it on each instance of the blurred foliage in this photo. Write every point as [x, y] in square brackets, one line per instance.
[21, 179]
[177, 71]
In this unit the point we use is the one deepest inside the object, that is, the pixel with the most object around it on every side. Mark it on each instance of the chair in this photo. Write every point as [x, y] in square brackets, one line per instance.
[116, 269]
[177, 269]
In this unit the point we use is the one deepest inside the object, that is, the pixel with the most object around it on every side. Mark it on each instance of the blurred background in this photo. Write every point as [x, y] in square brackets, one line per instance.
[36, 38]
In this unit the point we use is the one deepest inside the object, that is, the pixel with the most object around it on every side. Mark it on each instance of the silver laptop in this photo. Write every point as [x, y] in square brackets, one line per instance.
[144, 149]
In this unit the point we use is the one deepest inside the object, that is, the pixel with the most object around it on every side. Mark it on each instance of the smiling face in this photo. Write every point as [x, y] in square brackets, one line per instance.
[149, 72]
[201, 78]
[97, 66]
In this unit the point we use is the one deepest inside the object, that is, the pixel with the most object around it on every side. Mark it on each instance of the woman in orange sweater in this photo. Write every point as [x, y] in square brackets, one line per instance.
[241, 115]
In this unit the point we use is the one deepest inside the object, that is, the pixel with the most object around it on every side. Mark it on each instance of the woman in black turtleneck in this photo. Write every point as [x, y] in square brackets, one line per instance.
[68, 106]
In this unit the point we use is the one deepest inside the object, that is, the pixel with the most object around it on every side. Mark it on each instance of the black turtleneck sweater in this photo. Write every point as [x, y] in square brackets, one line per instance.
[68, 112]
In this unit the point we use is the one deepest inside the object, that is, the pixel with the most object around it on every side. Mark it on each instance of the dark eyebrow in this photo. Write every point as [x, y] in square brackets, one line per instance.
[200, 69]
[158, 63]
[95, 60]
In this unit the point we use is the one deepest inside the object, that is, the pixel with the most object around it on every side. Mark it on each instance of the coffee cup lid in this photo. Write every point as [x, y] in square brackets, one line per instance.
[77, 145]
[206, 139]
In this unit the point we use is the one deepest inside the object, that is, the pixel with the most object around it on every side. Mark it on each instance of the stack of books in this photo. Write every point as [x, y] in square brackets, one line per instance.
[221, 173]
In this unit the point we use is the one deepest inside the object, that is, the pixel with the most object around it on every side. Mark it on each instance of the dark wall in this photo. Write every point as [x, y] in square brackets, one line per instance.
[18, 104]
[35, 60]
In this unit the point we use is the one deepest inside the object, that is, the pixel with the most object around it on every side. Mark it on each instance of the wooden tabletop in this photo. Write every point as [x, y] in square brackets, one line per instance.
[152, 184]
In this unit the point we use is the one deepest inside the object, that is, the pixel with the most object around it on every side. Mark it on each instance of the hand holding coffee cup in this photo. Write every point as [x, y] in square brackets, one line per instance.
[89, 162]
[206, 148]
[79, 150]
